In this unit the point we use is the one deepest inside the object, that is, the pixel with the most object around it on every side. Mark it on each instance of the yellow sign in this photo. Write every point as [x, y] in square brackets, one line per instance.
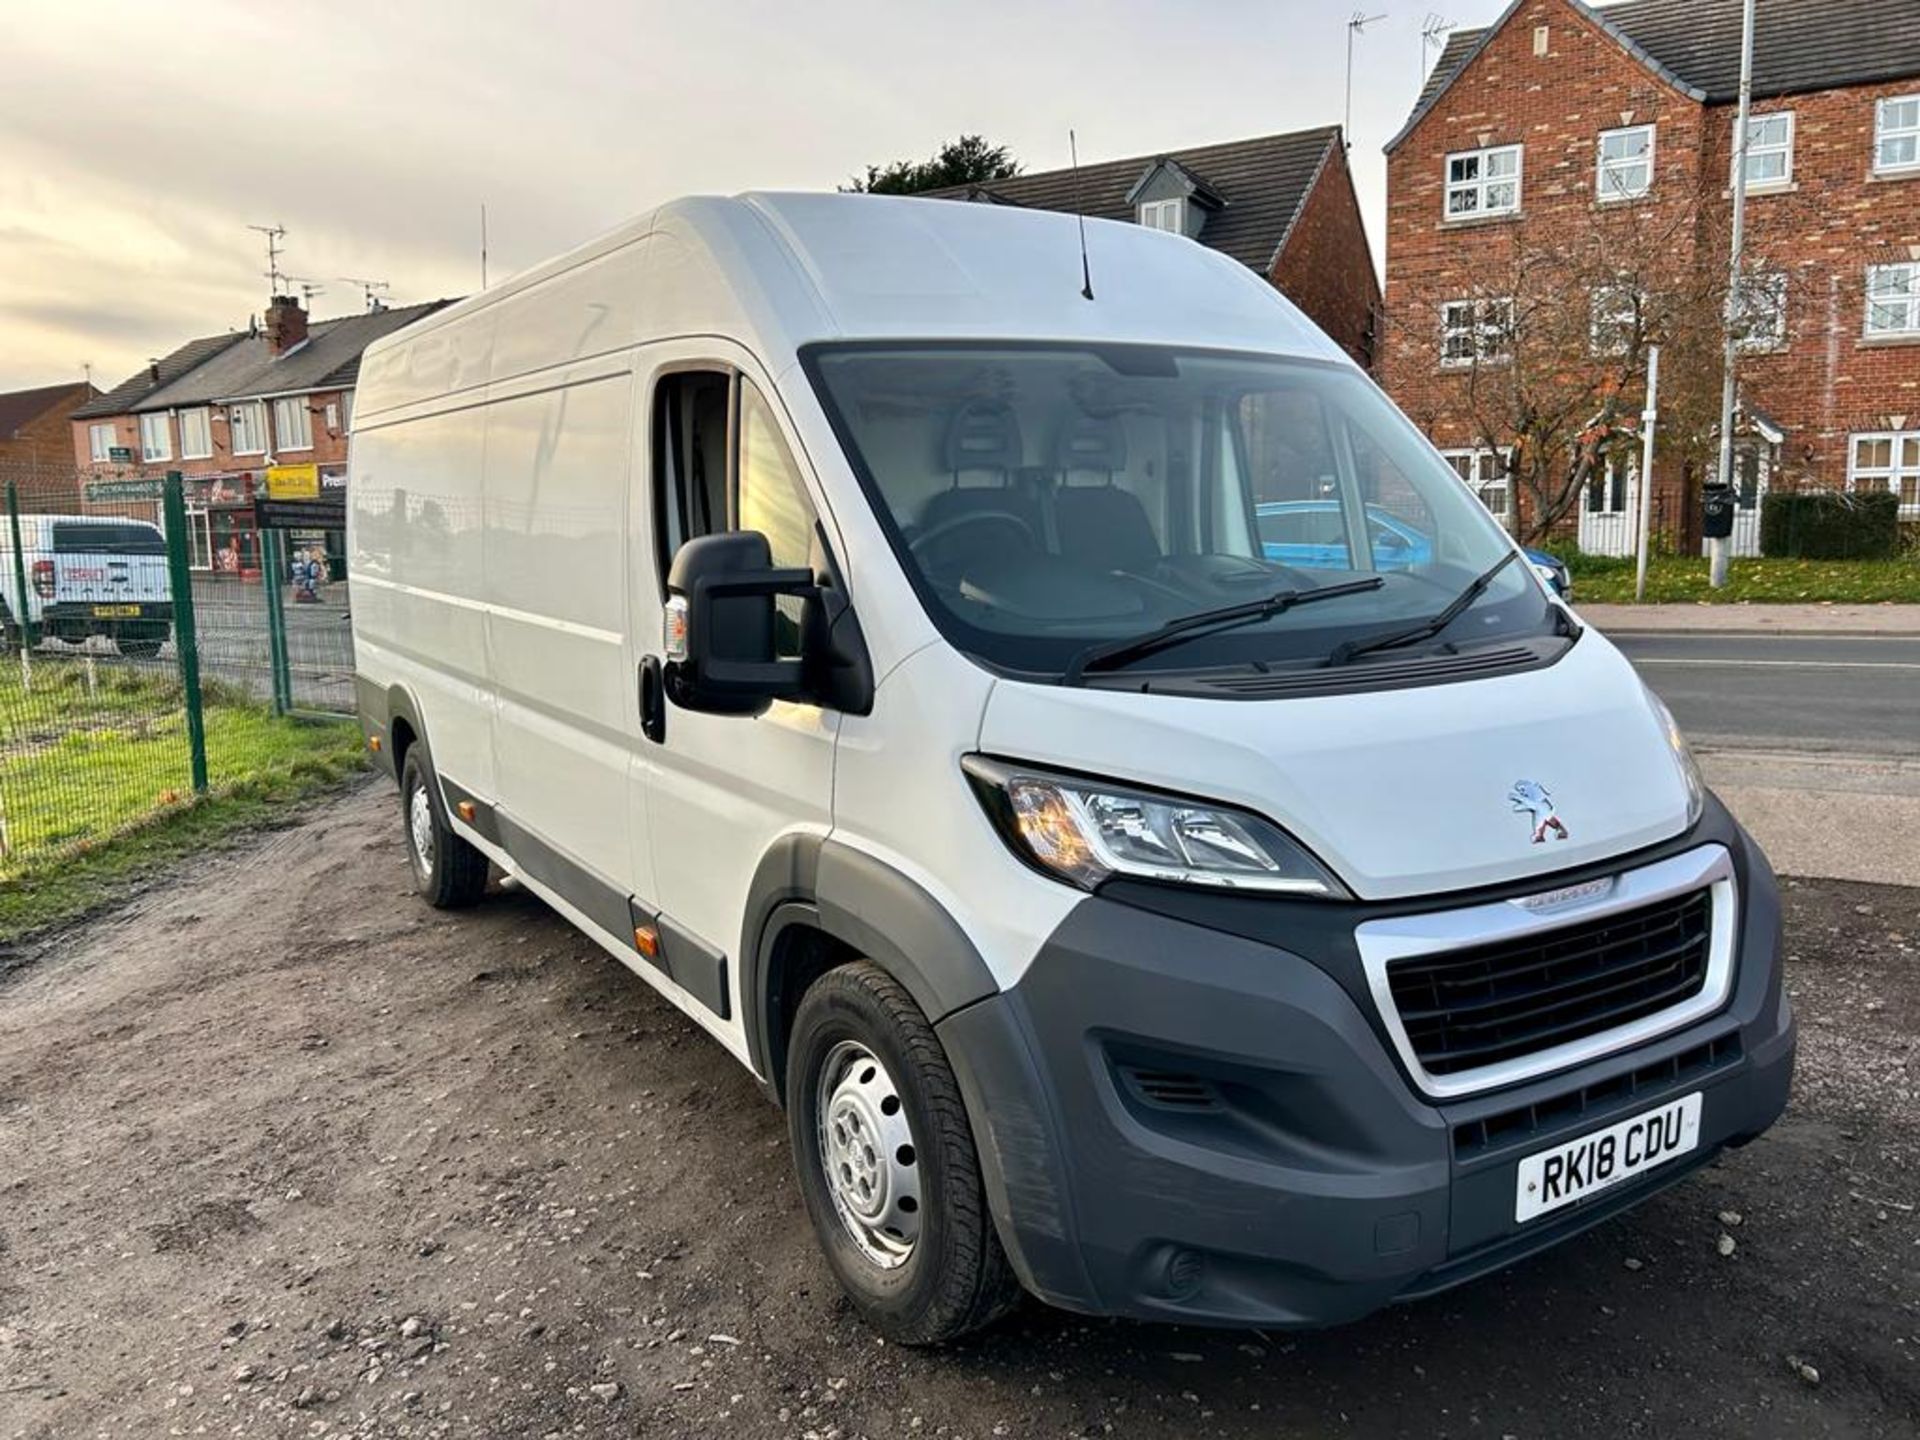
[293, 482]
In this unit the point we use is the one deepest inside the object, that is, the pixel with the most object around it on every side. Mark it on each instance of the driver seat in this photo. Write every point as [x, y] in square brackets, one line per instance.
[984, 435]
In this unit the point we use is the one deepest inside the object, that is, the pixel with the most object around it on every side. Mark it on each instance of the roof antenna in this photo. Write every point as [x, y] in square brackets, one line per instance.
[1086, 270]
[1433, 36]
[1355, 25]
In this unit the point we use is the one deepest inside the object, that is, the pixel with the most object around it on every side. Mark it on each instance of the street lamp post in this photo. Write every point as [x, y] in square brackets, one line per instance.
[1717, 545]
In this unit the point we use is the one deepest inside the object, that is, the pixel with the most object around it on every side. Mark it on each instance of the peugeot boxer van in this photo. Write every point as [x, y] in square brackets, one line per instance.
[857, 617]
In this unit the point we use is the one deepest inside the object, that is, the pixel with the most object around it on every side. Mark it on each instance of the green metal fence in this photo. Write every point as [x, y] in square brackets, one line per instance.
[134, 684]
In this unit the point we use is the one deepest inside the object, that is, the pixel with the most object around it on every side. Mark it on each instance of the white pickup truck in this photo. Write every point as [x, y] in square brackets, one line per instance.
[89, 575]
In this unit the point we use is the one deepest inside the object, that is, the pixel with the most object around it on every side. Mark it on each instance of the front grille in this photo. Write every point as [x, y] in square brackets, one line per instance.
[1469, 1008]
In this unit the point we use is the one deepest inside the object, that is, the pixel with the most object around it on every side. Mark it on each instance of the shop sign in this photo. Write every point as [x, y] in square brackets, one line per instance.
[293, 482]
[101, 491]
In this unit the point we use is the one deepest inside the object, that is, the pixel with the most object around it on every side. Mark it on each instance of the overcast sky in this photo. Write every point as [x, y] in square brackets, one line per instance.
[138, 140]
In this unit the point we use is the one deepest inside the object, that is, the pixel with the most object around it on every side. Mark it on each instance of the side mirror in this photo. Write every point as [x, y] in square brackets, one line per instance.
[721, 623]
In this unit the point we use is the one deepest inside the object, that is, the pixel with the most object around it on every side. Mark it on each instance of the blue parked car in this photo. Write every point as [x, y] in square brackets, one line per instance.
[1310, 535]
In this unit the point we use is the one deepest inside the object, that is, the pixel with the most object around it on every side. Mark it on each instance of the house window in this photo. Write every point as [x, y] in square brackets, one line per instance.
[1487, 474]
[156, 437]
[1609, 485]
[1760, 311]
[1891, 459]
[1896, 134]
[293, 423]
[1613, 319]
[100, 442]
[1625, 168]
[248, 428]
[196, 434]
[1168, 215]
[1893, 299]
[346, 411]
[1770, 150]
[1483, 182]
[1473, 331]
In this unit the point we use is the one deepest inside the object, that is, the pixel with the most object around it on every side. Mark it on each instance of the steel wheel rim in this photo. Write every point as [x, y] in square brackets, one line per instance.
[420, 828]
[868, 1156]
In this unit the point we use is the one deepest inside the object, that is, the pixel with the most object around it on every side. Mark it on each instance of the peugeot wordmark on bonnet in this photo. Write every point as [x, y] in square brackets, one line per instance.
[1083, 751]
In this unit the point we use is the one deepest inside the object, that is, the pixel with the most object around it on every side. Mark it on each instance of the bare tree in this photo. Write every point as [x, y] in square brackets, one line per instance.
[1549, 347]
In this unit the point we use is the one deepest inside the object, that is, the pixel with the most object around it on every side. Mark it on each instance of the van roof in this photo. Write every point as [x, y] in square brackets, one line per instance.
[776, 271]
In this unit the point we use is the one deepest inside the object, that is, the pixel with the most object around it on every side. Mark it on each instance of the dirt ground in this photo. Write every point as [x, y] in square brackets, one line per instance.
[283, 1152]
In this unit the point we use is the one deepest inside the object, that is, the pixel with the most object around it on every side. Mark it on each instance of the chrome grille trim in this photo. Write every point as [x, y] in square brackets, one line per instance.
[1381, 942]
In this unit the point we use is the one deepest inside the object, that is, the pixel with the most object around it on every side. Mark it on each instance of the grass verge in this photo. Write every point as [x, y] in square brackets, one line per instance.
[95, 787]
[1609, 580]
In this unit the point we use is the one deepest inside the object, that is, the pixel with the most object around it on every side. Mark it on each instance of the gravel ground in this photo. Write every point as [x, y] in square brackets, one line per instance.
[283, 1152]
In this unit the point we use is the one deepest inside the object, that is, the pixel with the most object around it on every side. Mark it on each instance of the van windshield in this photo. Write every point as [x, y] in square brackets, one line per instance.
[1047, 499]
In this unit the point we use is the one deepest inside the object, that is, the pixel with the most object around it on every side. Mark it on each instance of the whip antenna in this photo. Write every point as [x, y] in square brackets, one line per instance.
[1086, 270]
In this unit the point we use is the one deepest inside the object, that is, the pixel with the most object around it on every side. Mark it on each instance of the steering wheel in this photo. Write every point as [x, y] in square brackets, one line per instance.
[960, 522]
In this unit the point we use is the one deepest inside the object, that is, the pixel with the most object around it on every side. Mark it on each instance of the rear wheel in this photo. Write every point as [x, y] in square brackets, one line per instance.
[448, 872]
[887, 1163]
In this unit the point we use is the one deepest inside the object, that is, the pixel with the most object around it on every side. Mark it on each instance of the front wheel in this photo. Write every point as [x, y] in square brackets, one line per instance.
[887, 1164]
[449, 873]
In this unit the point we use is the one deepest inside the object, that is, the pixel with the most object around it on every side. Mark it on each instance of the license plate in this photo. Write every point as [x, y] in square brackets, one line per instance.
[1605, 1158]
[116, 612]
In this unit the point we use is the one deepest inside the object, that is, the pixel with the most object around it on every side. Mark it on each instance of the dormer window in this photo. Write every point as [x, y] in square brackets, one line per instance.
[1168, 215]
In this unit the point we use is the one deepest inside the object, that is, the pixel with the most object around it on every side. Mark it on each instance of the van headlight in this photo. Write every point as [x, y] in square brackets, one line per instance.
[1682, 755]
[1085, 831]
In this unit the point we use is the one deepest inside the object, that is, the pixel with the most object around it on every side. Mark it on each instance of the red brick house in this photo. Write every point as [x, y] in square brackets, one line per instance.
[1561, 117]
[1282, 205]
[35, 437]
[224, 409]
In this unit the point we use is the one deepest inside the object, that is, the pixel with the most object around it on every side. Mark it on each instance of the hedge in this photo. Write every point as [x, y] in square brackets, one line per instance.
[1826, 525]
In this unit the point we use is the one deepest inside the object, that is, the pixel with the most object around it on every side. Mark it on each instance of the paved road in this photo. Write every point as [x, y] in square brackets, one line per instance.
[1855, 694]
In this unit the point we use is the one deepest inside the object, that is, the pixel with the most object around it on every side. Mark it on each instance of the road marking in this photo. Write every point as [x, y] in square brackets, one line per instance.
[1785, 664]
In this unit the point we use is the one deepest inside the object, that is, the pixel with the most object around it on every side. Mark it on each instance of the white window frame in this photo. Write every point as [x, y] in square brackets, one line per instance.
[1167, 215]
[1475, 477]
[1893, 472]
[297, 435]
[188, 451]
[1479, 183]
[255, 426]
[1601, 324]
[1884, 132]
[1772, 285]
[150, 452]
[1605, 167]
[346, 412]
[1487, 324]
[100, 442]
[1906, 304]
[1772, 147]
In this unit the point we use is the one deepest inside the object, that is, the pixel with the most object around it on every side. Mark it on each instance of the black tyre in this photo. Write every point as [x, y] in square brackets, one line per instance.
[887, 1162]
[447, 871]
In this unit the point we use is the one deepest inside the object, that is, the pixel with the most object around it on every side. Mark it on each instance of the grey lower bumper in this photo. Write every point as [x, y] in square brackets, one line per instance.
[1184, 1124]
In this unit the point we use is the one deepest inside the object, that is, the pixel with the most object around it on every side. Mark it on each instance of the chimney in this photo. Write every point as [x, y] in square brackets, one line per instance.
[286, 325]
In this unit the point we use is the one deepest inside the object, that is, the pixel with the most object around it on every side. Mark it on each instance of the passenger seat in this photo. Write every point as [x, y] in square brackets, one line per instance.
[1101, 525]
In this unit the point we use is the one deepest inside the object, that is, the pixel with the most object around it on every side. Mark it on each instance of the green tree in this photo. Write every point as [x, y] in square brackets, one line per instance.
[970, 160]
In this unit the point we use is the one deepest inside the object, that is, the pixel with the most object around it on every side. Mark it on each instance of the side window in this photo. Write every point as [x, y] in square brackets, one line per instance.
[706, 484]
[772, 497]
[690, 457]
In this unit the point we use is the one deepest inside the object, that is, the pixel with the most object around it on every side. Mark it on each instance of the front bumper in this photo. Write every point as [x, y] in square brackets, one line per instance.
[1181, 1123]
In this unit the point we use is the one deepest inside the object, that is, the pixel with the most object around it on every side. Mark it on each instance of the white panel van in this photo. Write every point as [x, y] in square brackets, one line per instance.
[1089, 757]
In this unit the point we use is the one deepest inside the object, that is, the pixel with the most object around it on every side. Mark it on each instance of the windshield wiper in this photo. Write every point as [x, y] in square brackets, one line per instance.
[1108, 653]
[1350, 649]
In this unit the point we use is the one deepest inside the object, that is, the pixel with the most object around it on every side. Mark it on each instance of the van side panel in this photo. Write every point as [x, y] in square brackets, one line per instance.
[555, 581]
[418, 617]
